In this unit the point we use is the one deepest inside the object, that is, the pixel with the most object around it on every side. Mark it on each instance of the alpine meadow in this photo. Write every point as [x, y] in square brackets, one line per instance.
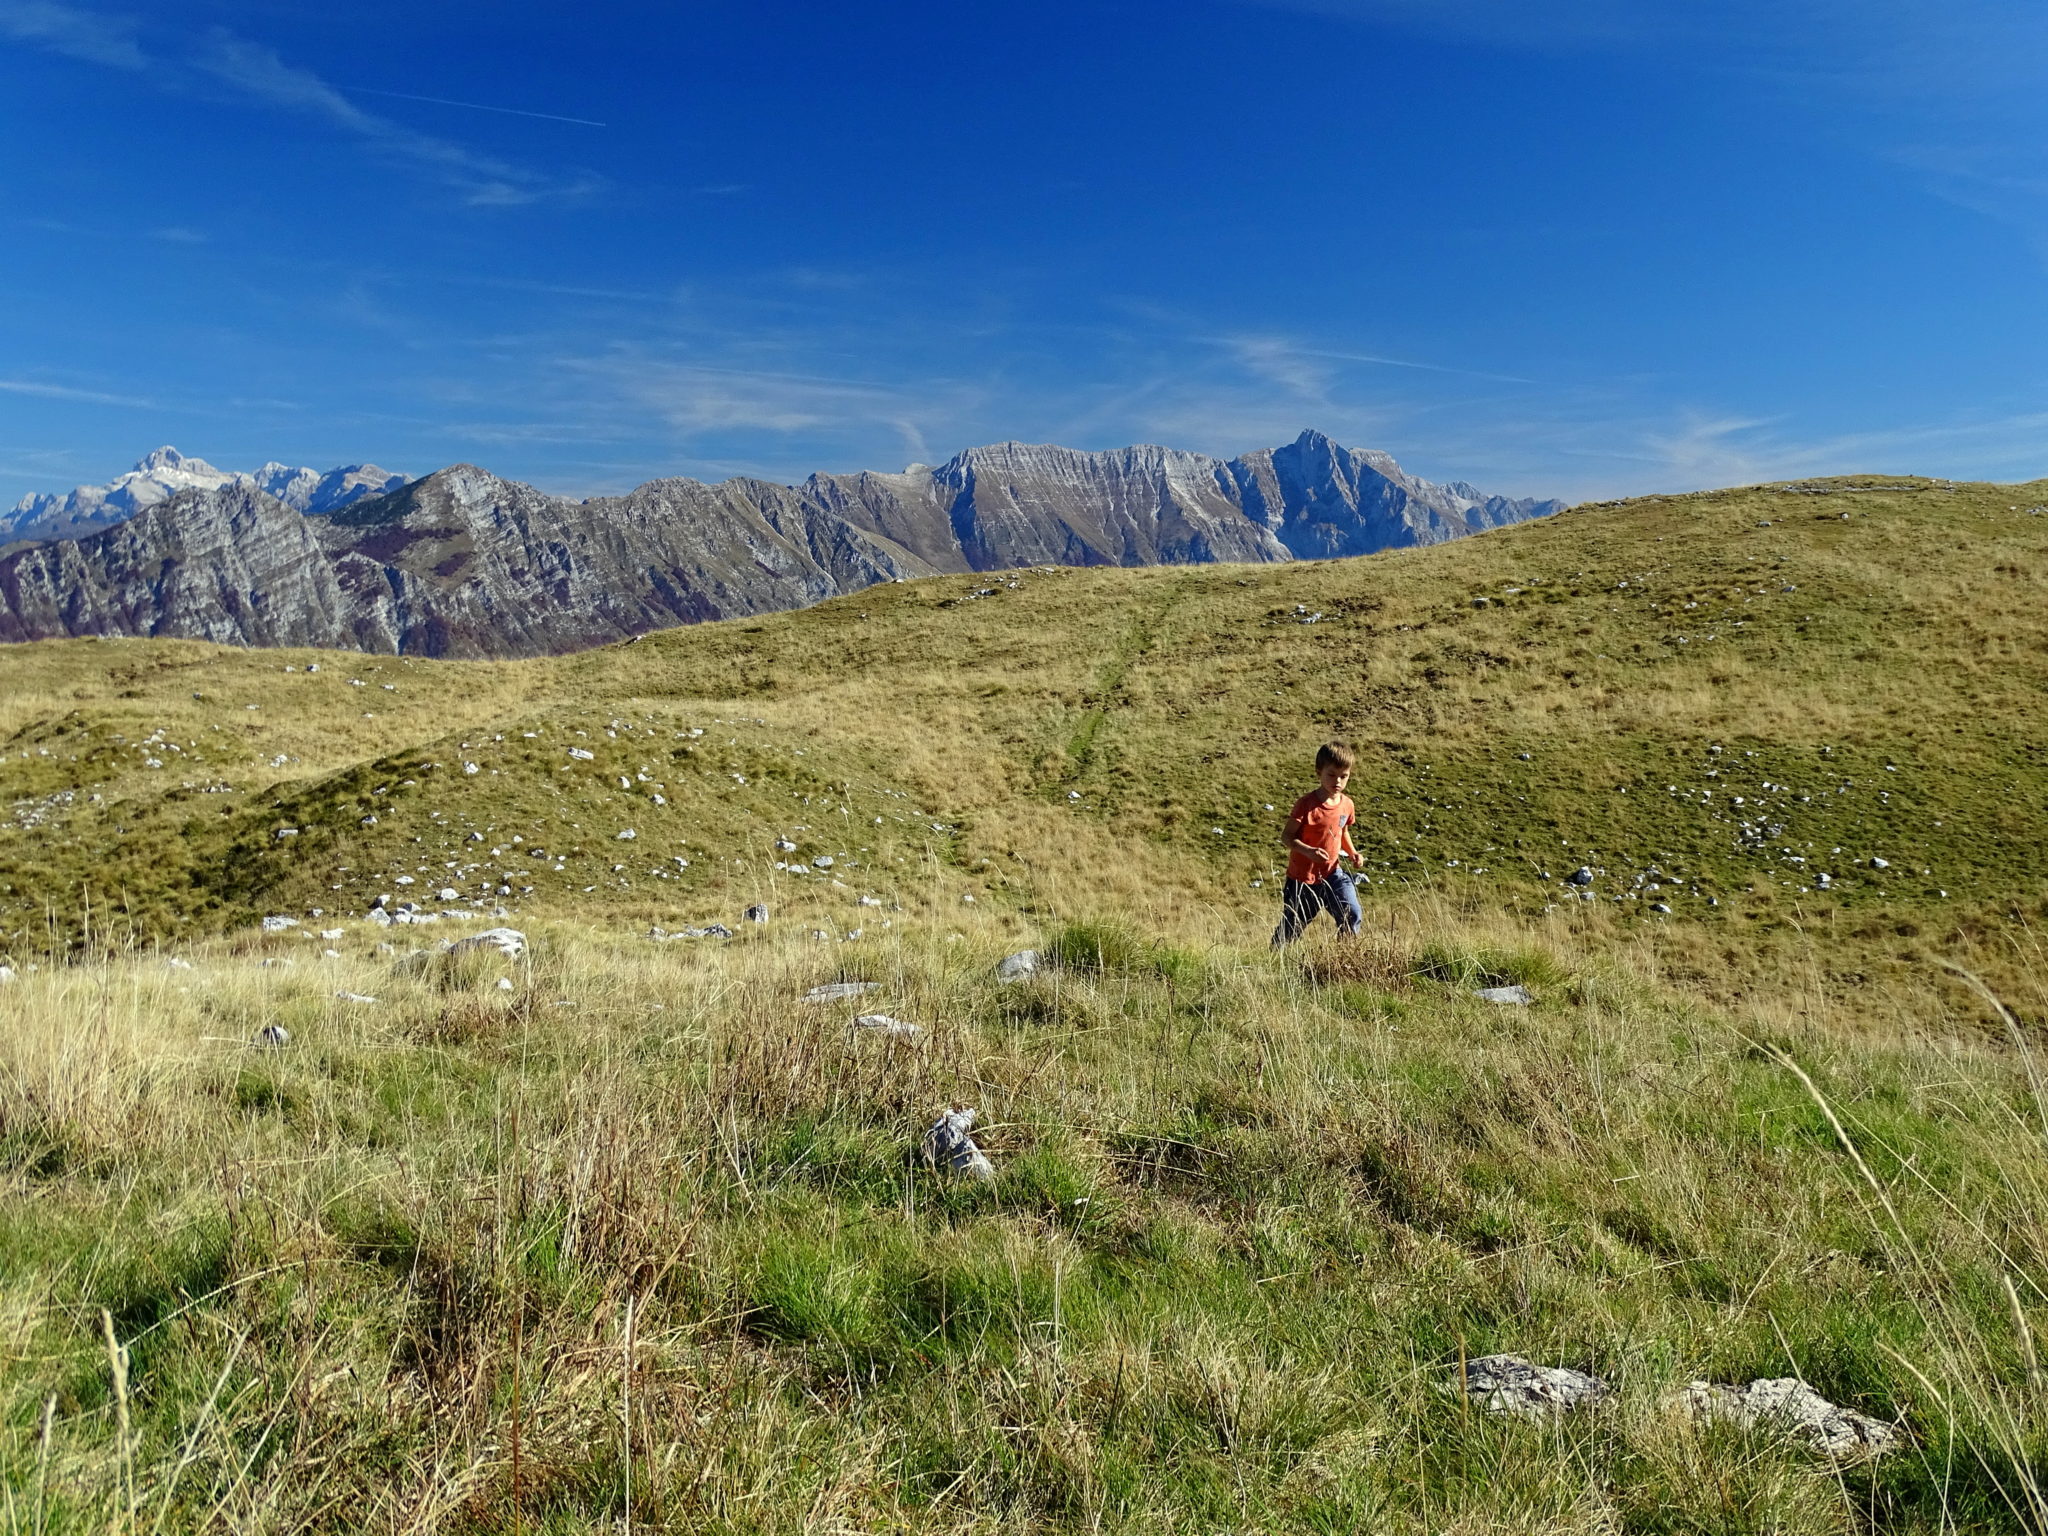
[314, 1221]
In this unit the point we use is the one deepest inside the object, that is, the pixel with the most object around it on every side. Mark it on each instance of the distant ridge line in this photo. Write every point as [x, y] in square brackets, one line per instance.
[463, 563]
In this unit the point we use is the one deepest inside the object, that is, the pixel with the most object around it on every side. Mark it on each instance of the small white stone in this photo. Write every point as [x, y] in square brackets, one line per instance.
[948, 1147]
[1018, 966]
[1514, 997]
[883, 1024]
[838, 991]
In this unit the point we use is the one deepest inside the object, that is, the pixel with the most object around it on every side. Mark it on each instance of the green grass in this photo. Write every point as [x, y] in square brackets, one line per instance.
[1239, 1240]
[1252, 1208]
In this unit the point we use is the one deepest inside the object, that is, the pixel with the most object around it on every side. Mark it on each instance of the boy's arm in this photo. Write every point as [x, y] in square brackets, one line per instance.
[1291, 836]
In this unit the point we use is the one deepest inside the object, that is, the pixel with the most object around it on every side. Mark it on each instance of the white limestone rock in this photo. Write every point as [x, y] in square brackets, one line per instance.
[509, 942]
[839, 991]
[949, 1147]
[1518, 1388]
[885, 1025]
[1787, 1403]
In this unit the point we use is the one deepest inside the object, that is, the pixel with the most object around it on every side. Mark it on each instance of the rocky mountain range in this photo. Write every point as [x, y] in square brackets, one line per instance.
[462, 563]
[163, 474]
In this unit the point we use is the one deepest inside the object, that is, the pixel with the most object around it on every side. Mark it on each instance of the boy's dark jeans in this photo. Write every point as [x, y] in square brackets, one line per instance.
[1301, 901]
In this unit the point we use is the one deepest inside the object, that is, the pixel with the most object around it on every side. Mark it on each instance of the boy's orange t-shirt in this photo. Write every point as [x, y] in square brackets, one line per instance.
[1322, 826]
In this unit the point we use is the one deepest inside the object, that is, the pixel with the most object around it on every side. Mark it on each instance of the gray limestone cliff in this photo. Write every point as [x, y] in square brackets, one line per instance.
[462, 563]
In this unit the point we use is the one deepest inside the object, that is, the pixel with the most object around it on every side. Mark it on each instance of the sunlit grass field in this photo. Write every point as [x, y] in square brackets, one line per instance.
[623, 1233]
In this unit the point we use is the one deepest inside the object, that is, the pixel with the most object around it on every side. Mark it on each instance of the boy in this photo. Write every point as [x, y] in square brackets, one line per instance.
[1317, 835]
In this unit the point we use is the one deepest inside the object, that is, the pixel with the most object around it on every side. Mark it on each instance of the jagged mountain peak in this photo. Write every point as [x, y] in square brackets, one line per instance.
[467, 563]
[164, 472]
[465, 479]
[1012, 452]
[168, 457]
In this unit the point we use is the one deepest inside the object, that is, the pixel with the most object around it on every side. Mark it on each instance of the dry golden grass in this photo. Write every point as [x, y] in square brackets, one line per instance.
[1251, 1209]
[472, 1259]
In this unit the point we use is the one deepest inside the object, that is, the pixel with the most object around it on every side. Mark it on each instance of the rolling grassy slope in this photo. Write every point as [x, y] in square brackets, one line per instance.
[624, 1234]
[1710, 700]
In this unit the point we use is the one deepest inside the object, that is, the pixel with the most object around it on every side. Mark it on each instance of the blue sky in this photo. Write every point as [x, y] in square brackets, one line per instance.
[1576, 248]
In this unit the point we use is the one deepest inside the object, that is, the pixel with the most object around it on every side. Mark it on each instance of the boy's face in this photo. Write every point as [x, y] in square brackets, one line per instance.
[1333, 778]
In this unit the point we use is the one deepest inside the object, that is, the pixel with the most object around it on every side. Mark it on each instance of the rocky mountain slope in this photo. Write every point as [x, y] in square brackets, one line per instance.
[465, 564]
[166, 473]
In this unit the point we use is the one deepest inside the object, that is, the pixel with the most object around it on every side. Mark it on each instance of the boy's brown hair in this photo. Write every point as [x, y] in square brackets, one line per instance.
[1334, 754]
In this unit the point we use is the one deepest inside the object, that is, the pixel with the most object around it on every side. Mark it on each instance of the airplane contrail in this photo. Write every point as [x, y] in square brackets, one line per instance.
[474, 106]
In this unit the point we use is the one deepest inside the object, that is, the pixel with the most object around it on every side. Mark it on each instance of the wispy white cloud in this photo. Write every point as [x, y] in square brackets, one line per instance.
[257, 73]
[1590, 444]
[1706, 451]
[1699, 450]
[1304, 368]
[472, 106]
[76, 34]
[1303, 373]
[484, 180]
[754, 378]
[66, 392]
[698, 401]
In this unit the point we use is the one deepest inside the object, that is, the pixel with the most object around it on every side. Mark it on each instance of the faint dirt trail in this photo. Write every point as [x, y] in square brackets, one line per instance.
[1104, 692]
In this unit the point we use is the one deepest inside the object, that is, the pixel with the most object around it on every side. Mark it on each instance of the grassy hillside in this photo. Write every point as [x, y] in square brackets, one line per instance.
[624, 1233]
[1710, 700]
